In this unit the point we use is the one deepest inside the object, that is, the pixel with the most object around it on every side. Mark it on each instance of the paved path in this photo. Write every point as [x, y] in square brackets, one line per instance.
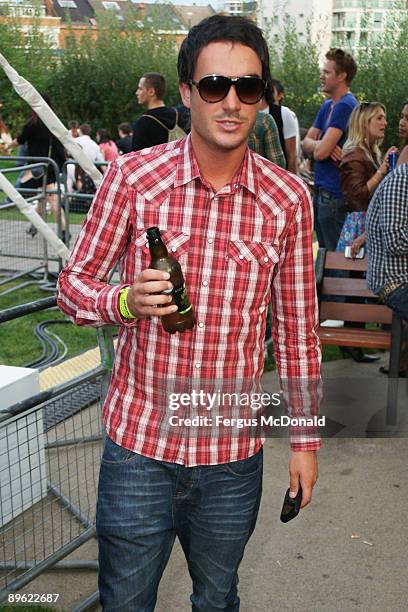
[345, 552]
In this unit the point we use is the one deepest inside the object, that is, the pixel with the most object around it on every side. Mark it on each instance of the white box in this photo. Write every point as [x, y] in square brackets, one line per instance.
[23, 480]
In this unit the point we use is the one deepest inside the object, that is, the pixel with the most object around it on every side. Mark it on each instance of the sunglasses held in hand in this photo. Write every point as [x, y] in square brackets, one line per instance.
[215, 87]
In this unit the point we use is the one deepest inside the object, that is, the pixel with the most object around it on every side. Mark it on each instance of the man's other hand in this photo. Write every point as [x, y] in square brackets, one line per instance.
[303, 470]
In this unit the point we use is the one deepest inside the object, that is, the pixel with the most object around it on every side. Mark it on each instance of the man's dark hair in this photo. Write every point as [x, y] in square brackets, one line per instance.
[344, 63]
[219, 28]
[85, 129]
[125, 127]
[156, 81]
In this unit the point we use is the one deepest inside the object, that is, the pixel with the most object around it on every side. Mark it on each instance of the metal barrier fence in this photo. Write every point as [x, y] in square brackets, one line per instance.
[22, 252]
[74, 202]
[50, 449]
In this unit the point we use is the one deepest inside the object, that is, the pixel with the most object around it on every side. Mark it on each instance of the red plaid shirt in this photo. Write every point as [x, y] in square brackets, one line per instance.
[239, 248]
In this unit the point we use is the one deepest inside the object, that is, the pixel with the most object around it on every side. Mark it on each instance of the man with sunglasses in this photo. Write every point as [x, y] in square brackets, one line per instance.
[324, 141]
[241, 229]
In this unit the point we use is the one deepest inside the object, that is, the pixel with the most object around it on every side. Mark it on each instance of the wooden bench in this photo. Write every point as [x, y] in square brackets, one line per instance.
[353, 286]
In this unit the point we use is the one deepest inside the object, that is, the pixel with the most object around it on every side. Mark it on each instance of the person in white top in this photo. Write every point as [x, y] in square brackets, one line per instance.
[290, 128]
[90, 148]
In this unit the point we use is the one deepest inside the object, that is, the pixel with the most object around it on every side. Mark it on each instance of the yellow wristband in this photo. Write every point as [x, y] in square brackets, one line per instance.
[123, 306]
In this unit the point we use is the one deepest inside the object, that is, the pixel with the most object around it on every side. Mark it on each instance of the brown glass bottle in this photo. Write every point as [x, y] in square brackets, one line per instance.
[160, 259]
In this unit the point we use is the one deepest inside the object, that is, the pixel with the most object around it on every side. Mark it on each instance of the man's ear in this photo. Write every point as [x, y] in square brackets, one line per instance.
[185, 94]
[342, 76]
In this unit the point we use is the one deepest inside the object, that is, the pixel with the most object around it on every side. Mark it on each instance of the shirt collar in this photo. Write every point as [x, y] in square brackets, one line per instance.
[187, 165]
[188, 170]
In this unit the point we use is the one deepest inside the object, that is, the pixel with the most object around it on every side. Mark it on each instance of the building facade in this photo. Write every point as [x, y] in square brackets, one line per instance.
[333, 23]
[317, 13]
[242, 8]
[356, 22]
[60, 19]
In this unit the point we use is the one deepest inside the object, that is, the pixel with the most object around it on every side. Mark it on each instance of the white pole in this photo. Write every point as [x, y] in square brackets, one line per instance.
[28, 211]
[47, 115]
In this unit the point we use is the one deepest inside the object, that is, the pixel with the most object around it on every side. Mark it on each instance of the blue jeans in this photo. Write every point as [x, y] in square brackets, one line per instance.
[330, 213]
[398, 301]
[143, 504]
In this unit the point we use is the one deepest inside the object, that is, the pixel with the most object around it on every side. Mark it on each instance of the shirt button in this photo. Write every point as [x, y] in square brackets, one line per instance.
[241, 256]
[205, 283]
[198, 365]
[266, 259]
[201, 324]
[173, 249]
[210, 241]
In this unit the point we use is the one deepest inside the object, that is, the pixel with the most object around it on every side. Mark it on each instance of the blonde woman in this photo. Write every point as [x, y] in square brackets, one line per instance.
[362, 169]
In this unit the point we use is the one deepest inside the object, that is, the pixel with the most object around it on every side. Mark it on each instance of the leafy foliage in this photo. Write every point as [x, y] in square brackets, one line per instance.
[29, 53]
[96, 79]
[383, 72]
[296, 65]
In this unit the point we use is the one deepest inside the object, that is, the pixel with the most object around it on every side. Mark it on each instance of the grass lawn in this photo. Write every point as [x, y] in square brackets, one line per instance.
[18, 344]
[12, 177]
[14, 214]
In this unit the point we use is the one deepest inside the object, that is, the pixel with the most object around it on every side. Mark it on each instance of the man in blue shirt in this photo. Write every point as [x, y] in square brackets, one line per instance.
[324, 141]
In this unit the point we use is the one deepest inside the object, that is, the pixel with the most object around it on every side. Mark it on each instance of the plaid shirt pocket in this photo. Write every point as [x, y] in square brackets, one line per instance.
[245, 251]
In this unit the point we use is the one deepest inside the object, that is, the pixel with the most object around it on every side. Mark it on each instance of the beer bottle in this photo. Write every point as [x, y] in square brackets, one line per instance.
[160, 259]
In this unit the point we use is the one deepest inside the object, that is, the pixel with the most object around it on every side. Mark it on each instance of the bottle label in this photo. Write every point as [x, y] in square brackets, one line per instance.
[181, 298]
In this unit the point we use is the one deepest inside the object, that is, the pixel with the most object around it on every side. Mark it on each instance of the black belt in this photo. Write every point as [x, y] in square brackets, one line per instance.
[387, 290]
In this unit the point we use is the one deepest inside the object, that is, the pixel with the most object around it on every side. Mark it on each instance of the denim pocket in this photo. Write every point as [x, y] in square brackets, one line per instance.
[245, 467]
[113, 453]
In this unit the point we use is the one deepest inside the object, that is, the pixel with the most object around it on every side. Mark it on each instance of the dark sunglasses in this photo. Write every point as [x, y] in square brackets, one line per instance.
[215, 87]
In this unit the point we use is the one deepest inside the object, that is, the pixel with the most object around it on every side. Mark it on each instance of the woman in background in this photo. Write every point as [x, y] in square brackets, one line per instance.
[361, 170]
[40, 142]
[108, 148]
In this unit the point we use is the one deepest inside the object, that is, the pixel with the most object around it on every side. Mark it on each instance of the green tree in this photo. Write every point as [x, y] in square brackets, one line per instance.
[383, 71]
[296, 64]
[95, 80]
[30, 53]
